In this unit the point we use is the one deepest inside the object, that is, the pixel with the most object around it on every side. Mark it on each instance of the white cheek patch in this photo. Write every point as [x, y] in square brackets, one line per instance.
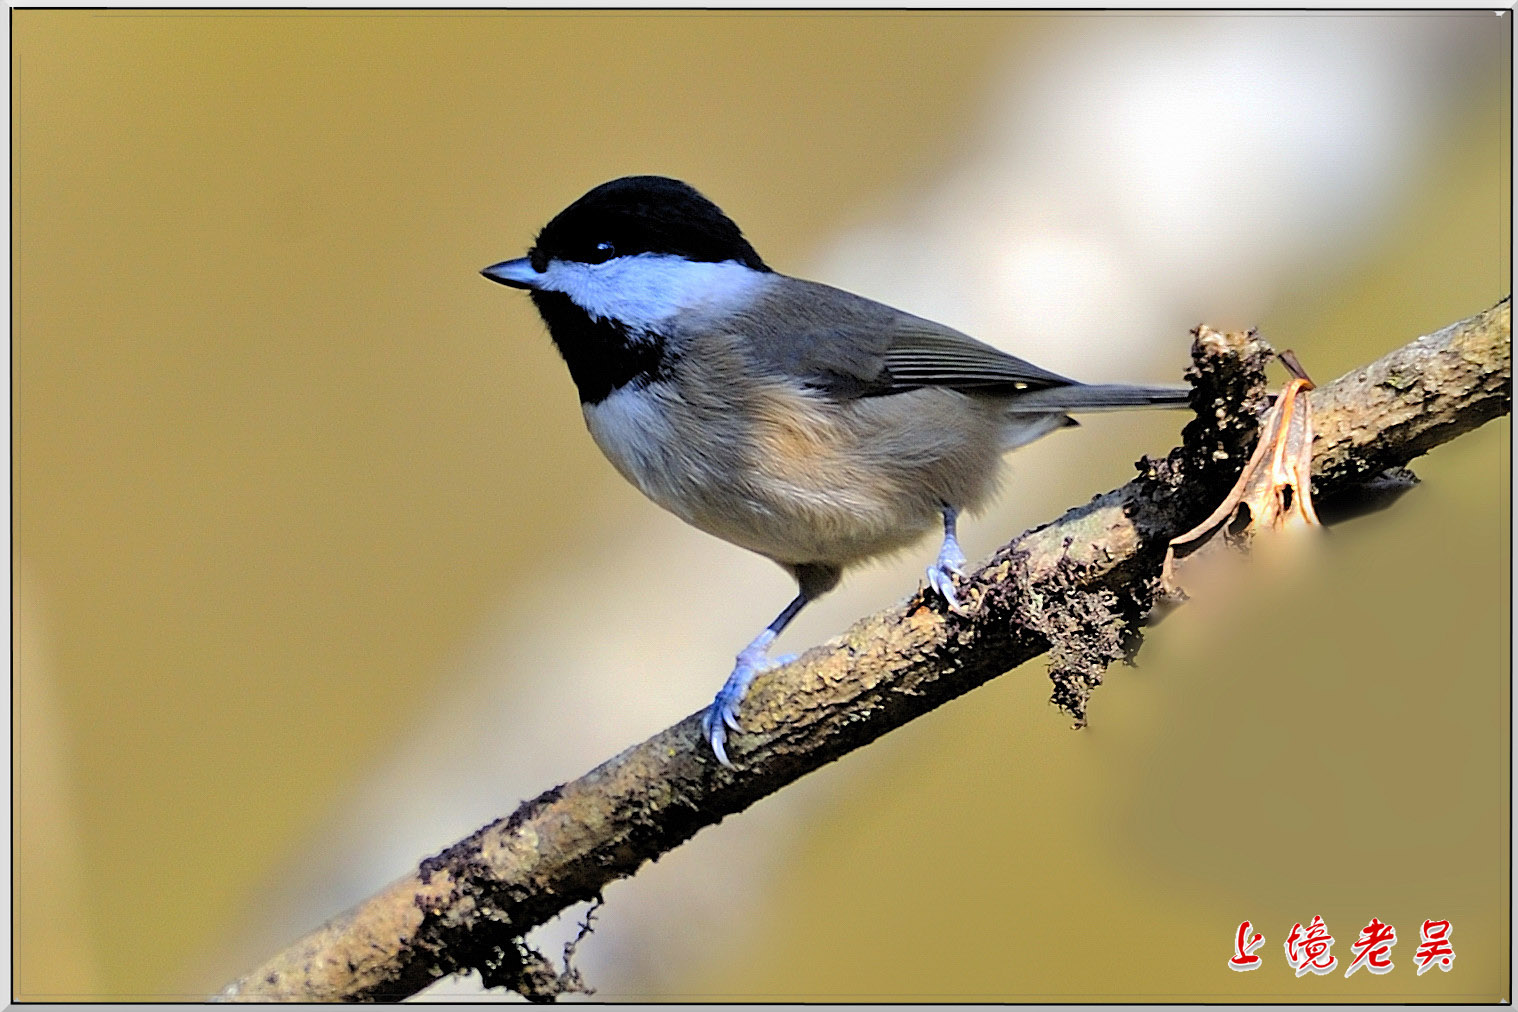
[645, 290]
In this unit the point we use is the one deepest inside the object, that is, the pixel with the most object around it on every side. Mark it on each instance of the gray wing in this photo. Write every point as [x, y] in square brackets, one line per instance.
[848, 346]
[923, 353]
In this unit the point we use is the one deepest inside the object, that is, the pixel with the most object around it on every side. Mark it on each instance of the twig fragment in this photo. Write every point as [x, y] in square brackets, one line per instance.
[1268, 497]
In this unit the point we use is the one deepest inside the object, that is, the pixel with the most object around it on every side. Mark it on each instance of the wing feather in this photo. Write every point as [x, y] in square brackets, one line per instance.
[849, 347]
[923, 353]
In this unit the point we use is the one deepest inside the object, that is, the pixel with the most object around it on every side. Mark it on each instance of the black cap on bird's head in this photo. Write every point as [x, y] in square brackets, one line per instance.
[642, 214]
[629, 216]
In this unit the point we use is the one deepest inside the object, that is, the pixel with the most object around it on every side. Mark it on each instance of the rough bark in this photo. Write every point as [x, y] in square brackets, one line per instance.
[1077, 588]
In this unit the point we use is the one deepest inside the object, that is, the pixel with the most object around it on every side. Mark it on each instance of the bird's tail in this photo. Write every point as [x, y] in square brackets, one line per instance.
[1079, 397]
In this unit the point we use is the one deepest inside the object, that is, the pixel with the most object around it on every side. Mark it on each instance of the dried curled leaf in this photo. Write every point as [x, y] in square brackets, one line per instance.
[1274, 491]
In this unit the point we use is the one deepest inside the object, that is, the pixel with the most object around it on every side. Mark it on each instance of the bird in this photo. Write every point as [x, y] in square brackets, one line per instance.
[810, 425]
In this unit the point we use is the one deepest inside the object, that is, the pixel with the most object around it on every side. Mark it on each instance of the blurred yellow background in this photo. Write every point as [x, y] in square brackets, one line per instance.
[287, 470]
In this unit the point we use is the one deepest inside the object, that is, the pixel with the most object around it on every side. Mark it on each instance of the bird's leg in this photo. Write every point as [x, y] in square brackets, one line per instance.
[754, 658]
[950, 563]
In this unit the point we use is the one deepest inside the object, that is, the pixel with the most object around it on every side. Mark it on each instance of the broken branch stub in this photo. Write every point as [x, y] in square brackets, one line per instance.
[1273, 493]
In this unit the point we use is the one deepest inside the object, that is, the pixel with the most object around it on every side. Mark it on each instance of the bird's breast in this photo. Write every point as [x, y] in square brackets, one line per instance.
[774, 470]
[639, 434]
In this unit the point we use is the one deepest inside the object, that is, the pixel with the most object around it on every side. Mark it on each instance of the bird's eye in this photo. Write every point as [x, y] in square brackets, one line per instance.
[603, 252]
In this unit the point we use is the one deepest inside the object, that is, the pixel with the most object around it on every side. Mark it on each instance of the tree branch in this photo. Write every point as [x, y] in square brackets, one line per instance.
[1077, 588]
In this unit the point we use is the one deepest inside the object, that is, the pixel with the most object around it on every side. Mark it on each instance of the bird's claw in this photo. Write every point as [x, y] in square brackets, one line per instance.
[722, 715]
[941, 574]
[941, 579]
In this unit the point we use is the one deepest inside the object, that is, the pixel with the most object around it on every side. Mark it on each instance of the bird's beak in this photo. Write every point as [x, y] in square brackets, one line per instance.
[515, 273]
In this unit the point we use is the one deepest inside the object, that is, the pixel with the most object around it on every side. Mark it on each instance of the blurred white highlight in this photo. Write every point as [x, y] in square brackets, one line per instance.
[1152, 172]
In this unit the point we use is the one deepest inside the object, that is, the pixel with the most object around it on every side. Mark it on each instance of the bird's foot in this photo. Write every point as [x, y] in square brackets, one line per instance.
[941, 574]
[722, 715]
